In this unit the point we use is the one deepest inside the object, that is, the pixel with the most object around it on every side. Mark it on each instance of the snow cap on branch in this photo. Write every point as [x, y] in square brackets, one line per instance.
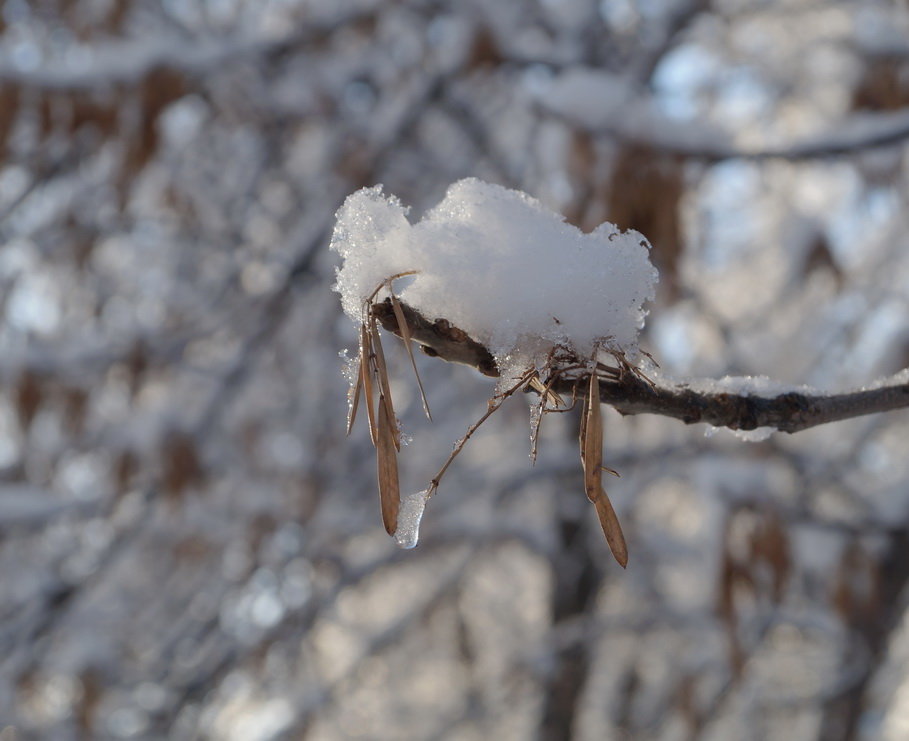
[501, 266]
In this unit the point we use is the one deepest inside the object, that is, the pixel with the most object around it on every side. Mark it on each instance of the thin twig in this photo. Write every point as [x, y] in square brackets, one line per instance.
[491, 407]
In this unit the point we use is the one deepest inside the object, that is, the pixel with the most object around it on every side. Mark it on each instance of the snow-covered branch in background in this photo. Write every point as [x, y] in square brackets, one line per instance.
[612, 105]
[128, 61]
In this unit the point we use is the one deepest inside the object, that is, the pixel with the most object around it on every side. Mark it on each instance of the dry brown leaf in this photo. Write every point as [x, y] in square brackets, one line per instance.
[387, 465]
[405, 335]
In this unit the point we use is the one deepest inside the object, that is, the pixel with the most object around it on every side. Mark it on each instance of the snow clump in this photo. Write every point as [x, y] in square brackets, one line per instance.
[501, 266]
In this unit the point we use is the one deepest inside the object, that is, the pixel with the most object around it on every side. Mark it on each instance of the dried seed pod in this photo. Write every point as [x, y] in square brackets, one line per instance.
[592, 440]
[387, 465]
[612, 528]
[366, 376]
[353, 395]
[591, 443]
[381, 371]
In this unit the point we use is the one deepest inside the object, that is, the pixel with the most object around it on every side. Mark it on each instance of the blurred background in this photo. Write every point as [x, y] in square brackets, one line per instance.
[189, 546]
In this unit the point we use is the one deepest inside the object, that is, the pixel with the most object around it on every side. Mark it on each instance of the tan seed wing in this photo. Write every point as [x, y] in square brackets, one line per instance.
[405, 335]
[366, 377]
[552, 398]
[592, 441]
[609, 521]
[536, 384]
[582, 432]
[384, 387]
[387, 465]
[353, 395]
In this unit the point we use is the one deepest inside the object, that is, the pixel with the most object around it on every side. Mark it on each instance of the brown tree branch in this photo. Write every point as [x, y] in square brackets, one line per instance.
[630, 394]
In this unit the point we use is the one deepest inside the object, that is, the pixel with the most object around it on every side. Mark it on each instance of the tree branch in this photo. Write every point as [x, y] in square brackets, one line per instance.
[853, 135]
[630, 394]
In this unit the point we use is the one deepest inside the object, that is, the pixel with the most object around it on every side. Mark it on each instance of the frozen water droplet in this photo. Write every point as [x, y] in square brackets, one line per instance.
[535, 415]
[535, 418]
[409, 516]
[757, 435]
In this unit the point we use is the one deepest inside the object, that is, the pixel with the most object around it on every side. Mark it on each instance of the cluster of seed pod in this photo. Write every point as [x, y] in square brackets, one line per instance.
[372, 382]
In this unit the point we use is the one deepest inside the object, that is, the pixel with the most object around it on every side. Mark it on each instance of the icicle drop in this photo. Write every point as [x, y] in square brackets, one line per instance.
[409, 516]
